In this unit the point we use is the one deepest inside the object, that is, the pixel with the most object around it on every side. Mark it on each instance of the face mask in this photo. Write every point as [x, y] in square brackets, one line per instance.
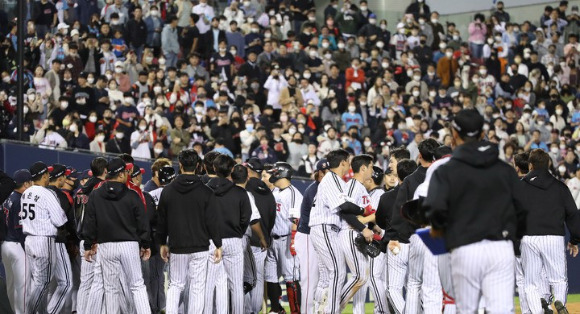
[90, 80]
[559, 112]
[383, 27]
[385, 65]
[410, 73]
[367, 143]
[526, 115]
[562, 146]
[162, 61]
[351, 109]
[497, 38]
[233, 52]
[73, 128]
[302, 130]
[246, 3]
[154, 12]
[554, 150]
[457, 84]
[92, 119]
[490, 41]
[483, 72]
[415, 93]
[313, 53]
[118, 70]
[416, 78]
[372, 21]
[325, 45]
[113, 107]
[449, 54]
[328, 56]
[255, 30]
[307, 75]
[64, 104]
[312, 18]
[432, 93]
[267, 35]
[120, 136]
[109, 76]
[340, 45]
[562, 169]
[401, 31]
[291, 131]
[222, 50]
[455, 37]
[128, 100]
[158, 151]
[434, 21]
[142, 127]
[32, 97]
[442, 46]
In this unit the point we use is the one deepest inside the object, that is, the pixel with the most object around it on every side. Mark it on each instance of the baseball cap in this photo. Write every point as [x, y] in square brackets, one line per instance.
[21, 176]
[377, 173]
[468, 122]
[322, 164]
[119, 64]
[38, 169]
[73, 173]
[62, 26]
[59, 170]
[116, 166]
[137, 171]
[87, 173]
[255, 164]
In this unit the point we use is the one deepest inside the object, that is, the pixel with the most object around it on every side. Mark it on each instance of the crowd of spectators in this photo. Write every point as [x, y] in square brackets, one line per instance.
[266, 78]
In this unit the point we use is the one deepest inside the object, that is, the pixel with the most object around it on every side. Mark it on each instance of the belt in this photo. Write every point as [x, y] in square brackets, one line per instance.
[276, 237]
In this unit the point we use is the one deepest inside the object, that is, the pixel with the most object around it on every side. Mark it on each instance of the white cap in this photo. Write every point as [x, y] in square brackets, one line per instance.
[119, 64]
[62, 26]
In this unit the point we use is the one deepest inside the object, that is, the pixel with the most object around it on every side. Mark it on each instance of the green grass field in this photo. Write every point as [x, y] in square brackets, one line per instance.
[572, 299]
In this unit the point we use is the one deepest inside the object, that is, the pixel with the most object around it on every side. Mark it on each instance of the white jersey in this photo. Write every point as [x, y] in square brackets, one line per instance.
[376, 197]
[331, 194]
[156, 195]
[423, 188]
[288, 203]
[255, 214]
[40, 212]
[357, 193]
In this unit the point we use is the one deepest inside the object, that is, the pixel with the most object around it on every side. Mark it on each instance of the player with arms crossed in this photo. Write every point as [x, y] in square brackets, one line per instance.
[41, 215]
[281, 253]
[325, 222]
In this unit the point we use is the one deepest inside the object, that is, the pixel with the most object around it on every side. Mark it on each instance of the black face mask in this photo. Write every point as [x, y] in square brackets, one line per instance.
[423, 42]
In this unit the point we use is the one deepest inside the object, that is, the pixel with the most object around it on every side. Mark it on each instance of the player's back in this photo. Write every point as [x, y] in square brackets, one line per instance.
[330, 195]
[41, 212]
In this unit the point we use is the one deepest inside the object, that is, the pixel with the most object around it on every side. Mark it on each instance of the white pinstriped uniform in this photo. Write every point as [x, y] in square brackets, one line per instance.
[187, 269]
[253, 300]
[397, 266]
[249, 262]
[324, 228]
[232, 262]
[279, 261]
[378, 272]
[41, 214]
[544, 252]
[356, 261]
[542, 285]
[13, 256]
[119, 259]
[423, 284]
[62, 280]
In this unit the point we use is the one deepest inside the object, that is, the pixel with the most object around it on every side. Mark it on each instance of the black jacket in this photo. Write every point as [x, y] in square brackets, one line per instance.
[233, 203]
[151, 216]
[549, 204]
[384, 212]
[187, 216]
[115, 214]
[475, 196]
[68, 229]
[402, 229]
[266, 204]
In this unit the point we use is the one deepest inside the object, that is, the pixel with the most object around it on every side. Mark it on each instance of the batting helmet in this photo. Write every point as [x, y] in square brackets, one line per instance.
[281, 170]
[166, 175]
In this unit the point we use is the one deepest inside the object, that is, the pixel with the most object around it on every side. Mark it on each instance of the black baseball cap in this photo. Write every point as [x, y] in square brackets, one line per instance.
[116, 166]
[468, 123]
[255, 164]
[87, 173]
[72, 172]
[59, 170]
[377, 173]
[21, 176]
[322, 164]
[38, 169]
[137, 171]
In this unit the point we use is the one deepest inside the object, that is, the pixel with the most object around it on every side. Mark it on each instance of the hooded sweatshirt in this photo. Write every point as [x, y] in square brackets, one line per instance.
[402, 229]
[266, 206]
[549, 205]
[234, 206]
[475, 196]
[120, 216]
[187, 216]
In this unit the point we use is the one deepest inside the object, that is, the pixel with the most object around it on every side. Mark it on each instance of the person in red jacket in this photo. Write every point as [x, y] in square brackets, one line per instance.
[355, 76]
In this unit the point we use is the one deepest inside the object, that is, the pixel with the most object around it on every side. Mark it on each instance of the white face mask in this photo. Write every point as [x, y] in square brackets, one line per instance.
[385, 65]
[417, 78]
[562, 169]
[118, 70]
[73, 128]
[449, 54]
[372, 21]
[434, 21]
[93, 119]
[432, 93]
[415, 93]
[64, 104]
[291, 131]
[367, 143]
[307, 75]
[559, 112]
[383, 26]
[325, 45]
[313, 53]
[158, 151]
[120, 135]
[90, 80]
[222, 50]
[483, 72]
[31, 97]
[233, 52]
[351, 109]
[340, 46]
[554, 150]
[162, 61]
[100, 138]
[154, 12]
[142, 127]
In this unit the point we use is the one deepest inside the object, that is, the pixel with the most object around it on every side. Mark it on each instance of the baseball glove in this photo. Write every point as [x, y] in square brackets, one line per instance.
[371, 250]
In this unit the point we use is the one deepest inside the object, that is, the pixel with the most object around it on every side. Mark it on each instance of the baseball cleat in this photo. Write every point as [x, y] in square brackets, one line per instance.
[546, 306]
[560, 307]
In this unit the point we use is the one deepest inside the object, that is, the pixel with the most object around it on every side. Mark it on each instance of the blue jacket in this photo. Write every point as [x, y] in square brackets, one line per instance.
[306, 207]
[11, 209]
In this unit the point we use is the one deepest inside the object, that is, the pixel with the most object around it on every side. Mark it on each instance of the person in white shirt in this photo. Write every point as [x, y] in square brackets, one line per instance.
[574, 186]
[274, 84]
[141, 141]
[206, 14]
[308, 92]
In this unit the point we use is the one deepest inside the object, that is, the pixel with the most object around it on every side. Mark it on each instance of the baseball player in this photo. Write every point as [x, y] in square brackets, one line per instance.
[165, 174]
[358, 263]
[549, 206]
[473, 202]
[266, 204]
[187, 221]
[208, 160]
[81, 199]
[13, 246]
[309, 262]
[63, 270]
[325, 222]
[234, 205]
[378, 265]
[280, 259]
[119, 232]
[154, 183]
[41, 215]
[402, 231]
